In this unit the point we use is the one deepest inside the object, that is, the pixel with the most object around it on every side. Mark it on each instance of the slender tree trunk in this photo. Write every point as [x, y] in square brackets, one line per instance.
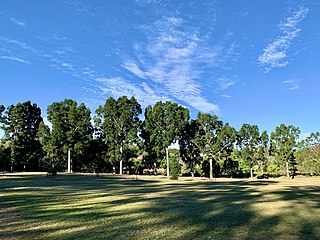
[121, 150]
[211, 171]
[287, 168]
[167, 155]
[251, 172]
[69, 161]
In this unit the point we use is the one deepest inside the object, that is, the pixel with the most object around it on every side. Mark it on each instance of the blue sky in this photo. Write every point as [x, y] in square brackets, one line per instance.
[247, 61]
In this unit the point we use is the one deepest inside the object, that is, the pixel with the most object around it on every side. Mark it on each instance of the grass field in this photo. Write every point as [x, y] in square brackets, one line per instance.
[89, 207]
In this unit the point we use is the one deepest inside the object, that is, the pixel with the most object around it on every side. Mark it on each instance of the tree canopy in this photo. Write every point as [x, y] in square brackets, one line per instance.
[124, 141]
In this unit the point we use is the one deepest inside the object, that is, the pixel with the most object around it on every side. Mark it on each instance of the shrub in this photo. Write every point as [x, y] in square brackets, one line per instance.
[174, 168]
[52, 172]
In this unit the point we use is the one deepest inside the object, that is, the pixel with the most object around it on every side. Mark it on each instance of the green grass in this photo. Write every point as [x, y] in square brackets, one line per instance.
[89, 207]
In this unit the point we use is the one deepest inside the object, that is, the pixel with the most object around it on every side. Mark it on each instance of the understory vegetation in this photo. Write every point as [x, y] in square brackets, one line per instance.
[118, 139]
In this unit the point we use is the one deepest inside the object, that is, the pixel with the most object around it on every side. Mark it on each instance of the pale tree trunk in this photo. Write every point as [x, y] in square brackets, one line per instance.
[121, 150]
[211, 171]
[287, 168]
[251, 172]
[167, 155]
[69, 161]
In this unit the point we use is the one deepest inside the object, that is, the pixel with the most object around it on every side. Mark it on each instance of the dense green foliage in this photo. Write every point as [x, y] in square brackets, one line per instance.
[21, 124]
[121, 142]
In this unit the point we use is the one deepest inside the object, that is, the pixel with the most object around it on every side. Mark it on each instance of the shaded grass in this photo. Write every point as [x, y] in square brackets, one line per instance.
[88, 207]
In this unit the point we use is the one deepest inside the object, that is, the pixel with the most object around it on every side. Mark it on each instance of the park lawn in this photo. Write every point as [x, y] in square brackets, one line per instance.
[89, 207]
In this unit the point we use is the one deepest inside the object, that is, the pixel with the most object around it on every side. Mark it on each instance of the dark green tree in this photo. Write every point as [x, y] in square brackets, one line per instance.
[162, 127]
[71, 133]
[249, 141]
[263, 152]
[189, 150]
[21, 124]
[226, 140]
[283, 142]
[207, 138]
[119, 122]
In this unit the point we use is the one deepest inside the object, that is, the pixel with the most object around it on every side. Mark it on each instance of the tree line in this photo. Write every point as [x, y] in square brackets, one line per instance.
[119, 139]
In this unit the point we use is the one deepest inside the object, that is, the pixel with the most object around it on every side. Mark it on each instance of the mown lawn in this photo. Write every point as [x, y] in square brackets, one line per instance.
[89, 207]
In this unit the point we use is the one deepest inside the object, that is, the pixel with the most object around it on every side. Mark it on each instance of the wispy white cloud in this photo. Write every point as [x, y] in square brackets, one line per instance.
[275, 55]
[15, 59]
[134, 68]
[175, 57]
[226, 96]
[17, 22]
[118, 87]
[292, 84]
[225, 82]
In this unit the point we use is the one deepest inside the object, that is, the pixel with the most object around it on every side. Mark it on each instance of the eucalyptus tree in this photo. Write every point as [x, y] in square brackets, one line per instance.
[249, 141]
[263, 151]
[21, 124]
[189, 149]
[308, 154]
[119, 122]
[283, 142]
[71, 131]
[162, 126]
[226, 140]
[207, 137]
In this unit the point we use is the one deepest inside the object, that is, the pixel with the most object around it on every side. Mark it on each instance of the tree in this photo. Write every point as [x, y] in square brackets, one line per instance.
[21, 124]
[283, 142]
[189, 150]
[308, 154]
[225, 145]
[163, 122]
[120, 123]
[248, 141]
[263, 150]
[71, 133]
[207, 138]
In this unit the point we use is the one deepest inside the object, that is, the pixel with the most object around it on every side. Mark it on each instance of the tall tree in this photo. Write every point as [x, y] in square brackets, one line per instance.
[189, 149]
[283, 141]
[263, 150]
[249, 140]
[163, 122]
[308, 155]
[225, 146]
[119, 121]
[21, 123]
[71, 131]
[207, 137]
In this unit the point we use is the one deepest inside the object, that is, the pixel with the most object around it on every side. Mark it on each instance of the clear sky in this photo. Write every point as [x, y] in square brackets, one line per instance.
[247, 61]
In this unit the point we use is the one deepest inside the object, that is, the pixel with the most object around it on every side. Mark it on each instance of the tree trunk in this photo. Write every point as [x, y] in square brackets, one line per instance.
[69, 161]
[192, 174]
[167, 155]
[251, 172]
[287, 168]
[121, 150]
[211, 172]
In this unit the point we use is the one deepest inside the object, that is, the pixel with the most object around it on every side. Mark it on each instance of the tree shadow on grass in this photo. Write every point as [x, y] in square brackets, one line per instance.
[111, 208]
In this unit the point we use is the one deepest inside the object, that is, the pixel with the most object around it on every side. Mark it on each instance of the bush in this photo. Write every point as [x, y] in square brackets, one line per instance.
[174, 168]
[52, 172]
[273, 170]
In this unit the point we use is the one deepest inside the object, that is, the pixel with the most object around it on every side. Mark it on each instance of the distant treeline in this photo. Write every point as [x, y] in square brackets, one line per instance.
[118, 140]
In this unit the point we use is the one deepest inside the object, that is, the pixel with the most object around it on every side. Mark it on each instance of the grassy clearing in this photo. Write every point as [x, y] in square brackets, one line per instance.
[88, 207]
